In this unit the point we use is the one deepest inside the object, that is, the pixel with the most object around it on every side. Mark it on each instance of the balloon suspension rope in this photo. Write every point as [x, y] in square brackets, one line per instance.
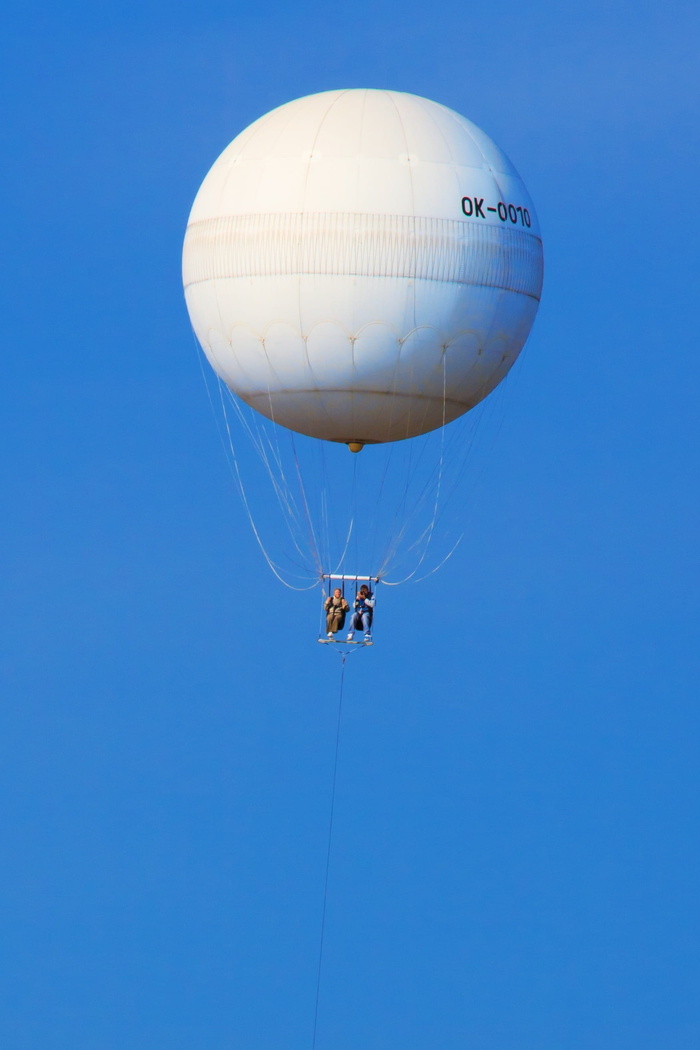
[328, 851]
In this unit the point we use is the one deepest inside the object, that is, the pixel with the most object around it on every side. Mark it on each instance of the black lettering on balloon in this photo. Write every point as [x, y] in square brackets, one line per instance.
[474, 207]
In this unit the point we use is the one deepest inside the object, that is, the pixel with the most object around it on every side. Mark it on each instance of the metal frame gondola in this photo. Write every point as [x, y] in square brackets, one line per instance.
[331, 580]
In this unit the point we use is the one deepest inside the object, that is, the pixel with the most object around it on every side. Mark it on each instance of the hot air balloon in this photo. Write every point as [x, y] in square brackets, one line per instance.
[362, 266]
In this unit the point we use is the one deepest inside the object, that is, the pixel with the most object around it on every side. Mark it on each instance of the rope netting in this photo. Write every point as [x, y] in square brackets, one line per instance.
[316, 508]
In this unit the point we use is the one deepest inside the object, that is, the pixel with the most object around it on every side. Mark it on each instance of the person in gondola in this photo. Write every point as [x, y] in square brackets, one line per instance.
[363, 613]
[336, 609]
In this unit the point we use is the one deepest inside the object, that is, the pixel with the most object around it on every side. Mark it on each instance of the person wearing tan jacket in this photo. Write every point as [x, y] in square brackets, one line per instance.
[336, 609]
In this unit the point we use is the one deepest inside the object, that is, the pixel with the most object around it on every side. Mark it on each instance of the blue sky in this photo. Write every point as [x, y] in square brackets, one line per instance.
[515, 859]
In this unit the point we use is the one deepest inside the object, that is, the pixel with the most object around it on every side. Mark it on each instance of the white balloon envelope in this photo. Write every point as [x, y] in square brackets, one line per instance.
[362, 266]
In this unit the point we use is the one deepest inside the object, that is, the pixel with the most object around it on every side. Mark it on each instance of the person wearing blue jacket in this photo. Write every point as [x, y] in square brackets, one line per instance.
[362, 614]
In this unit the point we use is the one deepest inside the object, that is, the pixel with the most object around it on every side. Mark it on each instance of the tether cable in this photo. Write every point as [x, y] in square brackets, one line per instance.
[328, 851]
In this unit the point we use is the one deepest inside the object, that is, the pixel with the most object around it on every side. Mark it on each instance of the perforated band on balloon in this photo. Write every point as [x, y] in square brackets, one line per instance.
[347, 244]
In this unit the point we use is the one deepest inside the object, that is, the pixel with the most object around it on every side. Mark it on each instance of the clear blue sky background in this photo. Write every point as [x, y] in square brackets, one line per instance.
[515, 862]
